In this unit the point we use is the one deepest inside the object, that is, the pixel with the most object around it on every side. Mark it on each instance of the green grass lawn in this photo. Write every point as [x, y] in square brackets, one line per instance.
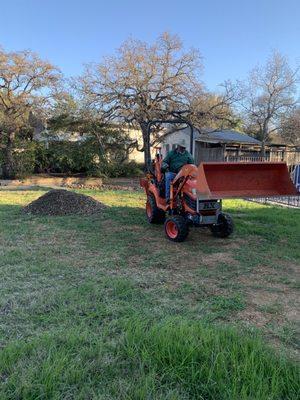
[104, 307]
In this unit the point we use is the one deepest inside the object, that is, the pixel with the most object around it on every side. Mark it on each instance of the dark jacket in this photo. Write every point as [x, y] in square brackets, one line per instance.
[177, 160]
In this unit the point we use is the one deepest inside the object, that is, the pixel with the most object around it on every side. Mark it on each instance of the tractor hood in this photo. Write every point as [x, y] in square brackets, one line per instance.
[220, 180]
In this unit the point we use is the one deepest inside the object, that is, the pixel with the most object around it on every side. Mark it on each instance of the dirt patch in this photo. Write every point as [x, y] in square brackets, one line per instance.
[285, 304]
[122, 184]
[64, 202]
[215, 259]
[270, 303]
[120, 187]
[254, 317]
[235, 243]
[54, 181]
[291, 268]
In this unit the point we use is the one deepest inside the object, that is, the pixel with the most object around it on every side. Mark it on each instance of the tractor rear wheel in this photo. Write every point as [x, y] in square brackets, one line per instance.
[154, 214]
[224, 227]
[176, 228]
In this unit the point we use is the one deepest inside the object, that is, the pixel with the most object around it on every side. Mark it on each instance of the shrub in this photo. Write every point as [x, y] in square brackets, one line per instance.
[64, 157]
[123, 169]
[81, 157]
[70, 158]
[23, 159]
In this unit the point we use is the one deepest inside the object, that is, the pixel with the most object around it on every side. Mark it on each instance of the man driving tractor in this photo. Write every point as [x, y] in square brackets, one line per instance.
[197, 191]
[173, 162]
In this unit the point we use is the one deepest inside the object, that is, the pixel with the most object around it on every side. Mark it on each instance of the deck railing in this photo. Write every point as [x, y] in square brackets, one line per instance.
[290, 157]
[230, 158]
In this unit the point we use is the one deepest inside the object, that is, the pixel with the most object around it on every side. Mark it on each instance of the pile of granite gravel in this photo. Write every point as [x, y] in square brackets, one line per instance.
[64, 202]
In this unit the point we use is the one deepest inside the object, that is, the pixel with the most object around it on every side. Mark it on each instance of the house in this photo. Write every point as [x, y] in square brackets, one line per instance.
[135, 136]
[214, 145]
[41, 135]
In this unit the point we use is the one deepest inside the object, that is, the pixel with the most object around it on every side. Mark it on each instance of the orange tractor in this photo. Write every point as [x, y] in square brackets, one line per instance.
[196, 193]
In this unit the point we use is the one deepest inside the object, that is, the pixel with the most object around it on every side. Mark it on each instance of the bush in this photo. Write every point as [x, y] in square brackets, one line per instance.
[23, 159]
[81, 157]
[123, 169]
[64, 157]
[70, 158]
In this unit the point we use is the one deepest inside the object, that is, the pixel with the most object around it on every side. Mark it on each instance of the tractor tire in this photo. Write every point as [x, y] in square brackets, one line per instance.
[176, 228]
[154, 214]
[224, 227]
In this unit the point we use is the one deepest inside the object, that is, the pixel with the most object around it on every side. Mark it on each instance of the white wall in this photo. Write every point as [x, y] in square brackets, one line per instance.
[135, 155]
[170, 141]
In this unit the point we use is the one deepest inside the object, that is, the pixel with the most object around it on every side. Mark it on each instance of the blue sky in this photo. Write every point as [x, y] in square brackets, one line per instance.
[232, 36]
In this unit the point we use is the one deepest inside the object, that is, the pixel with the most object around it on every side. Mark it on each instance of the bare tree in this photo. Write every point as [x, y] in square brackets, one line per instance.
[290, 127]
[141, 83]
[211, 110]
[26, 85]
[269, 94]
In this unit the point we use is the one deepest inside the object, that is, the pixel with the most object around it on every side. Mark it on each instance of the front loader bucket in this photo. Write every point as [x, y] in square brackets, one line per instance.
[218, 180]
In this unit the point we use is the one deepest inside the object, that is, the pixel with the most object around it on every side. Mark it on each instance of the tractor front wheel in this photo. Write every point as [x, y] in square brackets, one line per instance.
[176, 228]
[224, 227]
[154, 214]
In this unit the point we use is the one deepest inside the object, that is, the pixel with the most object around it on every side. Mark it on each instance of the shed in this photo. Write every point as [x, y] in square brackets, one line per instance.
[213, 145]
[223, 144]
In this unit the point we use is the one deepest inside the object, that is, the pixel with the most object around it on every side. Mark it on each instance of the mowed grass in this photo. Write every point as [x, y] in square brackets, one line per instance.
[104, 307]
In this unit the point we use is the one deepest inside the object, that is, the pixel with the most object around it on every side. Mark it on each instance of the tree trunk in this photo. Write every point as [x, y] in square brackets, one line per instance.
[263, 148]
[265, 131]
[8, 161]
[146, 145]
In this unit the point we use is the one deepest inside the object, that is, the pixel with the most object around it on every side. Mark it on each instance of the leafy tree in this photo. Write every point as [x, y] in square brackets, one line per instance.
[27, 84]
[110, 141]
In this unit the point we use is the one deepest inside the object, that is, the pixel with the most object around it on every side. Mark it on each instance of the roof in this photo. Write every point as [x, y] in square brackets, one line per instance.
[221, 136]
[226, 136]
[59, 137]
[275, 139]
